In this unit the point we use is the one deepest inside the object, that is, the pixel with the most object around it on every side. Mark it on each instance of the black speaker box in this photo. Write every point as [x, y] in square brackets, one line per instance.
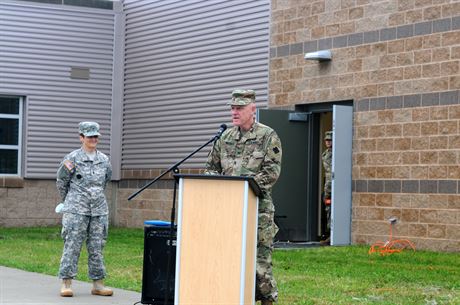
[155, 268]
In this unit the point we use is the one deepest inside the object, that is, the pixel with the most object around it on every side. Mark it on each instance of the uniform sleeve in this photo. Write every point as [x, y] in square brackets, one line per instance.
[64, 175]
[271, 165]
[213, 165]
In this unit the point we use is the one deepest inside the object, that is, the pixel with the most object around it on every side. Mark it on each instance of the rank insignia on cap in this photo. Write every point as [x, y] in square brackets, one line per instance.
[69, 165]
[276, 150]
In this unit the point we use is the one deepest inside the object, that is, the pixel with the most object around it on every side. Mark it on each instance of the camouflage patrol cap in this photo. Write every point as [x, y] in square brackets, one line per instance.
[328, 135]
[242, 97]
[89, 129]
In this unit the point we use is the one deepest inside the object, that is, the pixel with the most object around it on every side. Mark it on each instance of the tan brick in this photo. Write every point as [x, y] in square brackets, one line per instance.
[360, 159]
[429, 128]
[396, 19]
[437, 172]
[421, 114]
[410, 157]
[448, 127]
[332, 30]
[453, 203]
[355, 65]
[422, 57]
[450, 68]
[455, 52]
[391, 158]
[318, 32]
[412, 72]
[453, 172]
[288, 86]
[367, 200]
[429, 216]
[376, 131]
[376, 159]
[385, 144]
[454, 82]
[387, 61]
[447, 157]
[437, 84]
[411, 129]
[384, 172]
[393, 130]
[376, 76]
[367, 172]
[420, 143]
[401, 201]
[402, 144]
[395, 73]
[361, 78]
[404, 87]
[414, 16]
[436, 231]
[368, 144]
[347, 27]
[432, 13]
[380, 49]
[429, 157]
[346, 80]
[396, 46]
[431, 70]
[439, 142]
[450, 38]
[453, 232]
[383, 200]
[375, 214]
[418, 230]
[438, 113]
[454, 142]
[432, 41]
[440, 54]
[387, 89]
[363, 51]
[419, 172]
[410, 215]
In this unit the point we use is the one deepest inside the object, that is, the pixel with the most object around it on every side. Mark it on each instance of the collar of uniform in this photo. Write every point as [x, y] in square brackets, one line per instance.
[85, 157]
[250, 134]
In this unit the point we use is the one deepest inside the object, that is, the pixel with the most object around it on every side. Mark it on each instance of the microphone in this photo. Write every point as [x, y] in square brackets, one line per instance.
[222, 128]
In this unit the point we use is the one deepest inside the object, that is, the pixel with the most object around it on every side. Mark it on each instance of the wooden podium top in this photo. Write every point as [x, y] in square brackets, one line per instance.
[252, 183]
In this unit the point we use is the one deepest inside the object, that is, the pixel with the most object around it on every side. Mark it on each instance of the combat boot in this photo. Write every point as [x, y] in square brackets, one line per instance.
[66, 288]
[100, 289]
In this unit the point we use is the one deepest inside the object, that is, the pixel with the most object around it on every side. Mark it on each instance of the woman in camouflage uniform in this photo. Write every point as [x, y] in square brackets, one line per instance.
[81, 180]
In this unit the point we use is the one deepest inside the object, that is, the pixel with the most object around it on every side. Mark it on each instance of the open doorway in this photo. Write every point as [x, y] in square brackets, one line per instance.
[297, 194]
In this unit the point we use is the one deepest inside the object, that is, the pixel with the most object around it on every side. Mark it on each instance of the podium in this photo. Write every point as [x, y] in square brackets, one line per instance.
[216, 240]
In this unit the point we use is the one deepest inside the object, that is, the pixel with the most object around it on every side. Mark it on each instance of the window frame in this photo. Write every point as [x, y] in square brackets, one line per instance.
[17, 147]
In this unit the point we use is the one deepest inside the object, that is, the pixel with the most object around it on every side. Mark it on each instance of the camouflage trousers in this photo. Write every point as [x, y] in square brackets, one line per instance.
[75, 230]
[328, 216]
[265, 282]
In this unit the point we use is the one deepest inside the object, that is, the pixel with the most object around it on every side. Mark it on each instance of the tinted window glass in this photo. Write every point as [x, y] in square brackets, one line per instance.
[9, 129]
[8, 161]
[9, 105]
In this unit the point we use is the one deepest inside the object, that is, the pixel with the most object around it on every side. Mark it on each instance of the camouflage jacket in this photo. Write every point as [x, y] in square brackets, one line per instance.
[327, 164]
[81, 183]
[257, 154]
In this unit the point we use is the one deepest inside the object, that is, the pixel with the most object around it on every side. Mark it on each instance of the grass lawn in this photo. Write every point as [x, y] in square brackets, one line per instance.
[323, 275]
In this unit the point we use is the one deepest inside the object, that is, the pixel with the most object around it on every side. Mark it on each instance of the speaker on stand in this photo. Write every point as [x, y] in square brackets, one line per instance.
[157, 246]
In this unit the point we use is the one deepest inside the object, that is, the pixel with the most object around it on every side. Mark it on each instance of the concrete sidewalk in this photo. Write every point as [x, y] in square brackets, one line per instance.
[27, 288]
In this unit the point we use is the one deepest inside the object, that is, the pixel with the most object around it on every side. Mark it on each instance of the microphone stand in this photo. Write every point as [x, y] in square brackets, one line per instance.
[174, 168]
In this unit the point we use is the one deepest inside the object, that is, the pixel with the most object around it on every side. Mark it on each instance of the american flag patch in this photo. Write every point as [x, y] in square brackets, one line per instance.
[69, 165]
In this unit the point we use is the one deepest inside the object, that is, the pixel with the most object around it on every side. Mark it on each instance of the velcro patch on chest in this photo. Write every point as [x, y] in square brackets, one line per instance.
[69, 165]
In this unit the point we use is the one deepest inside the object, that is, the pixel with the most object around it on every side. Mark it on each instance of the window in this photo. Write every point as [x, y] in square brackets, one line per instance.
[10, 135]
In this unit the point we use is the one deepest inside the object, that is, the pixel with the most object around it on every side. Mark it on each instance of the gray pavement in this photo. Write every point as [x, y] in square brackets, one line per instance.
[28, 288]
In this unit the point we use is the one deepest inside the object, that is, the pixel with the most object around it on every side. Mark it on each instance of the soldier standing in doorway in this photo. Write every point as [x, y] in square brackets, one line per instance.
[326, 197]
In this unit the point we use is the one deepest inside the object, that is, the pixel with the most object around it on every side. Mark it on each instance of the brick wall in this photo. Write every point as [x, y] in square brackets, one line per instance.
[399, 61]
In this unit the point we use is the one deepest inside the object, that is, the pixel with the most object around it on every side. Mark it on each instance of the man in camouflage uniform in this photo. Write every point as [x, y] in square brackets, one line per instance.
[252, 149]
[327, 165]
[81, 180]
